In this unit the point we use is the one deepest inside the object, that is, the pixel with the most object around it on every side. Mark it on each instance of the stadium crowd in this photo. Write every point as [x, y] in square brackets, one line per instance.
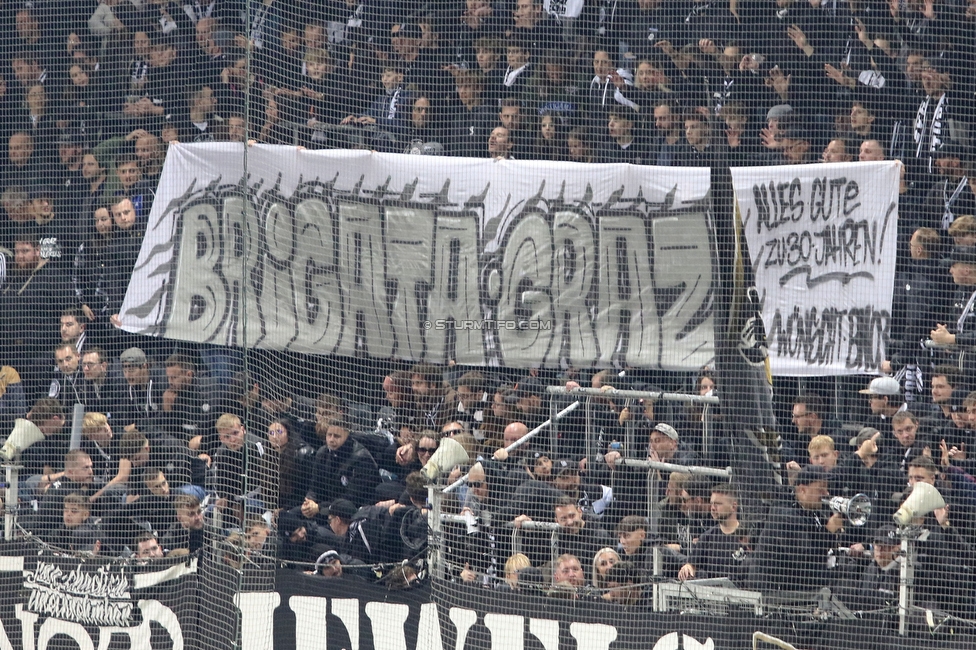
[176, 437]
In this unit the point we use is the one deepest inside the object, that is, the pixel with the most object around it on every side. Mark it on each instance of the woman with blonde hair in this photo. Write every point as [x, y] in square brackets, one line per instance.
[605, 558]
[515, 563]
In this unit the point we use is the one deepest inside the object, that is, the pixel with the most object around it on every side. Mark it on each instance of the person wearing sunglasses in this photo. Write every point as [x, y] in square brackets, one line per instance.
[426, 446]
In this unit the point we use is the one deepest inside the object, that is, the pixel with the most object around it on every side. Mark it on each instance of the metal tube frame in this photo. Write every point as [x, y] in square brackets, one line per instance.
[906, 582]
[671, 467]
[637, 394]
[537, 525]
[521, 441]
[10, 505]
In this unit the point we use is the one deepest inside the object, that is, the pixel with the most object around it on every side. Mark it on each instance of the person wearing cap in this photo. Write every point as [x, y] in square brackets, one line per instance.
[957, 431]
[662, 447]
[792, 551]
[885, 398]
[623, 143]
[142, 395]
[630, 484]
[339, 516]
[796, 146]
[187, 532]
[878, 586]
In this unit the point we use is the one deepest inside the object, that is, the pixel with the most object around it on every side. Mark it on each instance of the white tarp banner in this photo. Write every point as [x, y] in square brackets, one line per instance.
[822, 239]
[511, 263]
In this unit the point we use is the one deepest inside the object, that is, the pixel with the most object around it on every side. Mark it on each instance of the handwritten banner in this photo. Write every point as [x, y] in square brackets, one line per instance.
[822, 239]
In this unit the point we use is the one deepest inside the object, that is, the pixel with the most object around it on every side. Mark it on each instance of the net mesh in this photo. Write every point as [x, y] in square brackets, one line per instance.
[540, 311]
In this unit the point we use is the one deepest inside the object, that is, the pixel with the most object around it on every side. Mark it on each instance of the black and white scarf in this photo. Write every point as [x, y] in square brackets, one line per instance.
[948, 216]
[928, 128]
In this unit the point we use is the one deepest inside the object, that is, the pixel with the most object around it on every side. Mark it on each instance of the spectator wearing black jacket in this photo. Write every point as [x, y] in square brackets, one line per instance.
[723, 548]
[187, 532]
[623, 144]
[294, 458]
[35, 292]
[922, 297]
[122, 252]
[185, 408]
[101, 388]
[630, 484]
[141, 397]
[77, 479]
[240, 475]
[867, 471]
[579, 535]
[792, 551]
[343, 469]
[961, 317]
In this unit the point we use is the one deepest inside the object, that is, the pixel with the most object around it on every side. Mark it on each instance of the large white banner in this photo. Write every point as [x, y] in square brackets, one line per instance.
[423, 258]
[823, 243]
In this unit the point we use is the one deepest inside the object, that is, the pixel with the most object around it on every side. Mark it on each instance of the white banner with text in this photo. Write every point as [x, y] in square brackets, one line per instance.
[822, 239]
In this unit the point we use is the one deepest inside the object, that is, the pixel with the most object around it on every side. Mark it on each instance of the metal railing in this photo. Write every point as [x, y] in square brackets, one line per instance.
[631, 398]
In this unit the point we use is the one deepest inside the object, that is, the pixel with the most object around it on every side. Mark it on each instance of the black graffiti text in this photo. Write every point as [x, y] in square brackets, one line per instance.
[855, 337]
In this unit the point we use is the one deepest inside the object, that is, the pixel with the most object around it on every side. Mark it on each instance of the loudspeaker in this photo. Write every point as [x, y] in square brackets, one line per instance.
[857, 509]
[449, 453]
[24, 435]
[923, 500]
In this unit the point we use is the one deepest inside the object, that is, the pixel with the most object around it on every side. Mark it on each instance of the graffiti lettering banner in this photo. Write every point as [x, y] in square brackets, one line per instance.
[66, 602]
[823, 244]
[422, 258]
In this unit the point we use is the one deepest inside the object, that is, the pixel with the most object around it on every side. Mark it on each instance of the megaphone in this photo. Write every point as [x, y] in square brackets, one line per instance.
[24, 434]
[449, 454]
[923, 500]
[857, 509]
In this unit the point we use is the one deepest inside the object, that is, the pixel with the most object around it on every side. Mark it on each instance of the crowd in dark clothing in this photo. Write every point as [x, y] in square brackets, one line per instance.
[187, 440]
